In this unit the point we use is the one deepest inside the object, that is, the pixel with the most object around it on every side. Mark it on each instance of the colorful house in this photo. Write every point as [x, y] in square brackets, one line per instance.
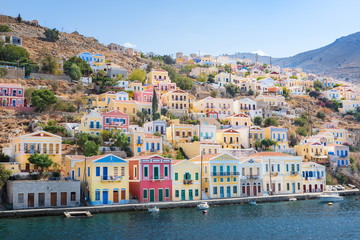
[98, 60]
[313, 151]
[11, 95]
[40, 142]
[314, 177]
[340, 134]
[279, 135]
[158, 75]
[151, 178]
[248, 107]
[193, 149]
[251, 177]
[186, 181]
[155, 126]
[103, 100]
[115, 120]
[233, 138]
[339, 155]
[87, 57]
[239, 119]
[104, 179]
[256, 134]
[142, 143]
[176, 102]
[136, 86]
[92, 123]
[177, 133]
[146, 95]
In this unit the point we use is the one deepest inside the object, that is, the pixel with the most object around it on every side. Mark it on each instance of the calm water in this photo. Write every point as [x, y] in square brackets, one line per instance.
[283, 220]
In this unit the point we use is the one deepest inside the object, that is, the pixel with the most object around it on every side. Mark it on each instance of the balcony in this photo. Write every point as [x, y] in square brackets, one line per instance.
[274, 174]
[95, 127]
[139, 142]
[188, 181]
[224, 174]
[252, 176]
[107, 178]
[294, 173]
[157, 178]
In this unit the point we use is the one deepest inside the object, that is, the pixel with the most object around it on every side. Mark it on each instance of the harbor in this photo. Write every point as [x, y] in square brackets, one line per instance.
[164, 205]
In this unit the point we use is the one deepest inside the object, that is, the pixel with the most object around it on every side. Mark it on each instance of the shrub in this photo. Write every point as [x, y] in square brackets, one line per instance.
[3, 72]
[271, 122]
[52, 35]
[4, 28]
[320, 115]
[302, 131]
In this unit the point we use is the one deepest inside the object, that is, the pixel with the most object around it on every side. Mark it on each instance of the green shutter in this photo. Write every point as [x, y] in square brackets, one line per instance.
[189, 176]
[176, 176]
[145, 171]
[145, 194]
[167, 192]
[196, 176]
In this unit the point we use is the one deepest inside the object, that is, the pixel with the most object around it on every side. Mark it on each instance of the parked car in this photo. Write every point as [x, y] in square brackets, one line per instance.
[339, 187]
[351, 186]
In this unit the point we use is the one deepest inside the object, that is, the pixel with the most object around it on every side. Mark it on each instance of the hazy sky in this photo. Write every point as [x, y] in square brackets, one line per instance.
[278, 28]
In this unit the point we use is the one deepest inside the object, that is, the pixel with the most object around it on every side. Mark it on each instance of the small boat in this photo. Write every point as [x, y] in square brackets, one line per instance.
[252, 202]
[78, 214]
[203, 206]
[330, 197]
[292, 199]
[154, 210]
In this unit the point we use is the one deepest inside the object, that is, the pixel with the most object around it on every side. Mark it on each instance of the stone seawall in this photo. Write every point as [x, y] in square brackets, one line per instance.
[162, 205]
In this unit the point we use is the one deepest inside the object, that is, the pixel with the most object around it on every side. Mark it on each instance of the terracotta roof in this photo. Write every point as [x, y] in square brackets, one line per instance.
[269, 154]
[148, 135]
[335, 145]
[10, 85]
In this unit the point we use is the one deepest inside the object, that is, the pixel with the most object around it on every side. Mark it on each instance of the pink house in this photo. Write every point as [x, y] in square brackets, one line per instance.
[168, 86]
[115, 120]
[11, 95]
[146, 95]
[150, 178]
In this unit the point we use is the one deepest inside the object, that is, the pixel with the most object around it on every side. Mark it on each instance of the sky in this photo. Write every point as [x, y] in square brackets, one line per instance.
[278, 28]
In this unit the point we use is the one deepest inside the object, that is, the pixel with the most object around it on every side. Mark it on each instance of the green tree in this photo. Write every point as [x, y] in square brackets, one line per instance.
[79, 102]
[4, 158]
[52, 35]
[4, 28]
[3, 72]
[143, 116]
[40, 161]
[202, 77]
[29, 66]
[302, 131]
[318, 84]
[300, 122]
[211, 77]
[4, 175]
[42, 99]
[12, 53]
[82, 64]
[271, 122]
[267, 143]
[293, 140]
[75, 72]
[286, 92]
[251, 92]
[49, 64]
[91, 149]
[123, 143]
[137, 74]
[187, 69]
[102, 81]
[195, 138]
[314, 94]
[320, 115]
[258, 120]
[213, 94]
[19, 18]
[155, 106]
[168, 60]
[27, 93]
[232, 90]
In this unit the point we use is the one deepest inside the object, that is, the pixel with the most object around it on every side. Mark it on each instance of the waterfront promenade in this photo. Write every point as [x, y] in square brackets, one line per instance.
[164, 205]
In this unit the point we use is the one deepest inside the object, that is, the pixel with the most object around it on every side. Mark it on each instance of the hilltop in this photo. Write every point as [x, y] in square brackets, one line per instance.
[68, 45]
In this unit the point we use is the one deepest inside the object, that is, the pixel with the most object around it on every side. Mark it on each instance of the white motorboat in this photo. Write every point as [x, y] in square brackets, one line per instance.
[330, 197]
[203, 206]
[252, 202]
[292, 199]
[154, 210]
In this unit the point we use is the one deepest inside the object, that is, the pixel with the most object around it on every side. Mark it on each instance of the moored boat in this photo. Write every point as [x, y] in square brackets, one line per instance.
[330, 197]
[203, 206]
[154, 210]
[252, 202]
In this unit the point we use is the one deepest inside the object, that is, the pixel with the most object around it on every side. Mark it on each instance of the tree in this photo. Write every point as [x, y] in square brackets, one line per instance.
[318, 84]
[320, 115]
[4, 175]
[300, 122]
[211, 77]
[82, 64]
[267, 143]
[258, 120]
[202, 77]
[123, 143]
[4, 158]
[251, 92]
[213, 94]
[286, 92]
[19, 18]
[302, 131]
[101, 80]
[195, 138]
[3, 72]
[49, 64]
[40, 161]
[4, 28]
[75, 72]
[79, 102]
[42, 99]
[293, 140]
[163, 111]
[137, 74]
[52, 35]
[29, 66]
[143, 116]
[168, 60]
[91, 149]
[232, 89]
[314, 94]
[271, 122]
[12, 53]
[155, 106]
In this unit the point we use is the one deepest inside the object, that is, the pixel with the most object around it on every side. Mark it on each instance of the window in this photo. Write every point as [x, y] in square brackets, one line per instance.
[20, 198]
[215, 190]
[279, 187]
[176, 176]
[266, 168]
[287, 167]
[146, 171]
[298, 185]
[122, 171]
[166, 170]
[215, 180]
[88, 172]
[78, 172]
[196, 192]
[235, 189]
[97, 195]
[73, 196]
[167, 192]
[196, 176]
[176, 193]
[221, 179]
[145, 194]
[288, 186]
[234, 179]
[228, 179]
[298, 167]
[116, 171]
[98, 171]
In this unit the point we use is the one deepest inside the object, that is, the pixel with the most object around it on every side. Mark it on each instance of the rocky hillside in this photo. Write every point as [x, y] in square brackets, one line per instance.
[68, 45]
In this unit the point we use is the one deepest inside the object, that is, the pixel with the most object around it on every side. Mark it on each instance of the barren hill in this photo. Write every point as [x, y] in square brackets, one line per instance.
[68, 45]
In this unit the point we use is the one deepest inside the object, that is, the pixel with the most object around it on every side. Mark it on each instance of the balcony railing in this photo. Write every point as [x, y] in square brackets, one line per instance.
[252, 176]
[188, 181]
[225, 173]
[110, 178]
[95, 127]
[294, 173]
[157, 178]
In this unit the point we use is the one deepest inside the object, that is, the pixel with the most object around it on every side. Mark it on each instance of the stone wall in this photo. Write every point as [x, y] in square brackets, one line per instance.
[49, 76]
[13, 73]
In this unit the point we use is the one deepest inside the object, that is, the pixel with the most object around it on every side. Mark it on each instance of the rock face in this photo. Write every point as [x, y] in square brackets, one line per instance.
[68, 45]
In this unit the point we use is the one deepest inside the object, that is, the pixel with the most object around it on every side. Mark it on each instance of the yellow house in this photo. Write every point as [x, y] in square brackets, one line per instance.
[91, 123]
[256, 135]
[349, 105]
[40, 142]
[142, 143]
[136, 86]
[104, 179]
[340, 134]
[127, 107]
[239, 119]
[14, 167]
[177, 102]
[158, 76]
[193, 149]
[274, 101]
[312, 151]
[102, 100]
[177, 133]
[233, 138]
[98, 60]
[186, 181]
[59, 67]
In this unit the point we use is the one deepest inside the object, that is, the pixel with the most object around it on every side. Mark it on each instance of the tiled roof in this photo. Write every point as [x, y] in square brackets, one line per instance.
[10, 85]
[269, 154]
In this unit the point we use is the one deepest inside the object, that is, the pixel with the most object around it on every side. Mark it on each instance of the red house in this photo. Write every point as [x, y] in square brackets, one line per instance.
[212, 114]
[11, 95]
[115, 120]
[146, 95]
[165, 86]
[150, 178]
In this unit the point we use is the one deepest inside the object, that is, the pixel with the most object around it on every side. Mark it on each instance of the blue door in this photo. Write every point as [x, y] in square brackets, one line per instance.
[228, 191]
[293, 187]
[14, 103]
[105, 197]
[105, 173]
[152, 147]
[221, 192]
